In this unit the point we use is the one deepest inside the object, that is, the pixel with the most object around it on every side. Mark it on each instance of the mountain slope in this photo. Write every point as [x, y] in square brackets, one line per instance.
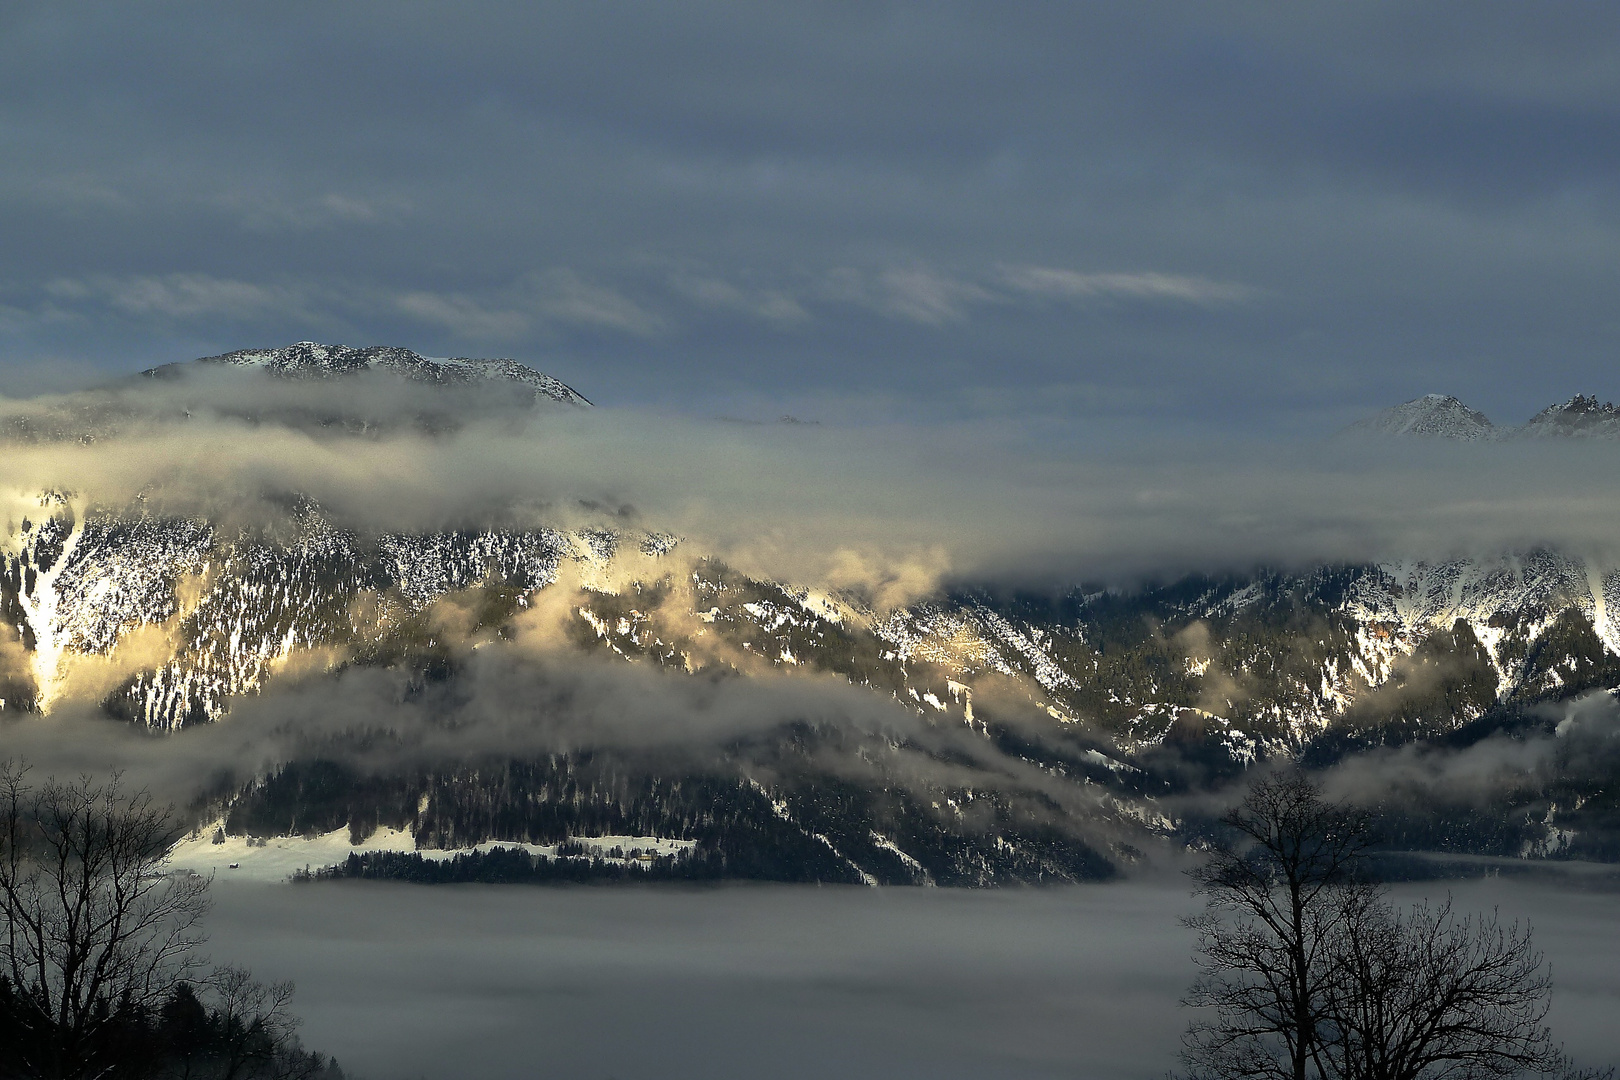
[1579, 417]
[492, 684]
[1437, 416]
[1105, 692]
[309, 359]
[1441, 416]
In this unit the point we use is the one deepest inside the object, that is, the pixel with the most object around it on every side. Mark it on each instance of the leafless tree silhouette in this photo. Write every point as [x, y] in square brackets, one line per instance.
[1277, 894]
[93, 920]
[1430, 995]
[1306, 971]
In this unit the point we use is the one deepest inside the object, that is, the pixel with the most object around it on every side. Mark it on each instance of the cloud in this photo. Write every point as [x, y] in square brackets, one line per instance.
[748, 981]
[531, 691]
[915, 294]
[509, 700]
[264, 212]
[1243, 221]
[466, 317]
[1218, 691]
[1583, 746]
[557, 297]
[882, 515]
[187, 297]
[13, 319]
[563, 295]
[1063, 284]
[561, 300]
[884, 582]
[924, 296]
[814, 504]
[771, 305]
[554, 297]
[77, 190]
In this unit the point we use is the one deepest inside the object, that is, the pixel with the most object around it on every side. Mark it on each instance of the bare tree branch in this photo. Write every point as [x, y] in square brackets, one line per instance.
[94, 920]
[1276, 892]
[1305, 970]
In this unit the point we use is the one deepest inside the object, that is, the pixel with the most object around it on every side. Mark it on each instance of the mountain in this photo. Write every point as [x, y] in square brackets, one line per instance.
[370, 391]
[1433, 416]
[1441, 416]
[1579, 417]
[797, 802]
[311, 360]
[465, 688]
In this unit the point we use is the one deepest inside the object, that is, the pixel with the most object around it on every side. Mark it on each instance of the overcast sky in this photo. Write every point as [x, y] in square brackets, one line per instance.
[1252, 217]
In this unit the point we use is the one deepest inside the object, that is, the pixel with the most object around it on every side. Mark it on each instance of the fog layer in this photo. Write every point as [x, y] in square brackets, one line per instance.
[896, 508]
[439, 982]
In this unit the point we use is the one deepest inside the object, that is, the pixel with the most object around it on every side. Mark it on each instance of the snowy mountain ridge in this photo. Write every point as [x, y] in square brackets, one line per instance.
[1078, 711]
[1441, 416]
[310, 359]
[1252, 666]
[79, 581]
[1434, 416]
[1579, 417]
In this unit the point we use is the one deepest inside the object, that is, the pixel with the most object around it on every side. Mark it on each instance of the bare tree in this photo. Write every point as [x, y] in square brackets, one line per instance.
[1429, 995]
[1277, 894]
[1306, 970]
[95, 926]
[254, 1021]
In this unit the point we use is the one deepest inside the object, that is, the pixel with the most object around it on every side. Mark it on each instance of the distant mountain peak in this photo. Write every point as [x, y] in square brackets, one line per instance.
[311, 359]
[1436, 416]
[1444, 417]
[1580, 417]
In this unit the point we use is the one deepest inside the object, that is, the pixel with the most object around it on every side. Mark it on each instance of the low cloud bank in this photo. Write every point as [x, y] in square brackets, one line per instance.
[791, 982]
[729, 982]
[536, 695]
[894, 511]
[1583, 746]
[504, 701]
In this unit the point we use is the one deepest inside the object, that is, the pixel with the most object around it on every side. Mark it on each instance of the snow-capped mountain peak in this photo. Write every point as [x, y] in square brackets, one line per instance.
[1579, 417]
[1431, 416]
[310, 359]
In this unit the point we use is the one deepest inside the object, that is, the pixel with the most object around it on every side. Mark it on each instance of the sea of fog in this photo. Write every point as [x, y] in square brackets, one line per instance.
[402, 981]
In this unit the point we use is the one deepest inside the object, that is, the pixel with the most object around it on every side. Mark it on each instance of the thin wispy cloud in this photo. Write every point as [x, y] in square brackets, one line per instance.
[916, 294]
[76, 191]
[1249, 219]
[553, 299]
[556, 298]
[188, 296]
[265, 212]
[924, 296]
[466, 317]
[772, 305]
[630, 303]
[1058, 283]
[567, 296]
[930, 296]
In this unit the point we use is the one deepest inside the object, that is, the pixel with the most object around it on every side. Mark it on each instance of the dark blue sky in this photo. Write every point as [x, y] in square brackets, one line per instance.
[1250, 217]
